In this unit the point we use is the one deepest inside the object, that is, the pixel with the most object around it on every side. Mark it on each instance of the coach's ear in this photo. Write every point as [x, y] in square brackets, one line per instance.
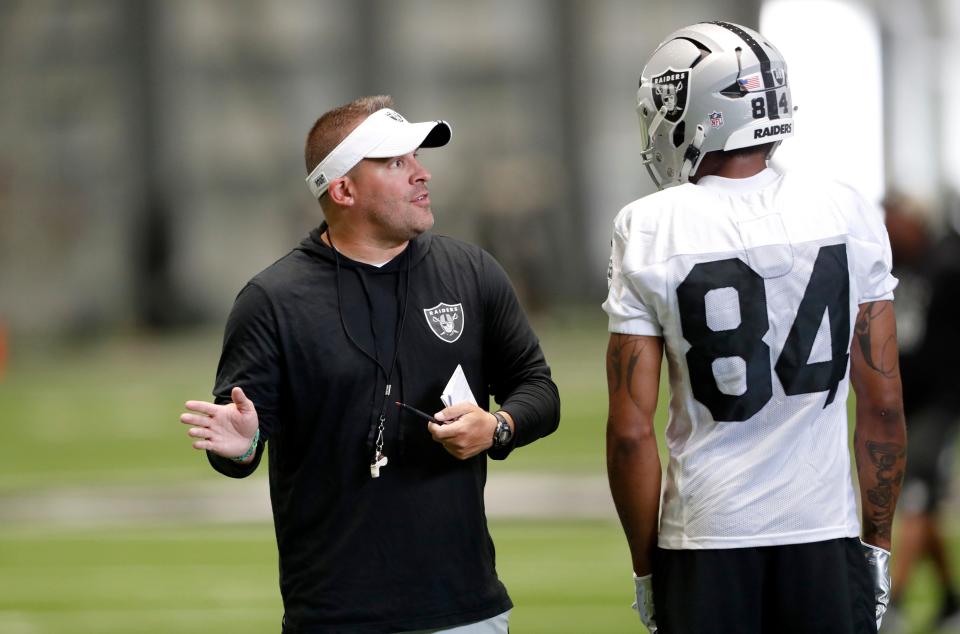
[341, 191]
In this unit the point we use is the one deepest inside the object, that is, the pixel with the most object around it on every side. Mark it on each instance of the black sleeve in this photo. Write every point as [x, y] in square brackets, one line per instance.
[234, 469]
[514, 364]
[250, 359]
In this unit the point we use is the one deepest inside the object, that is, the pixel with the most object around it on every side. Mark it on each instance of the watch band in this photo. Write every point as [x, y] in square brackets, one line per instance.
[503, 434]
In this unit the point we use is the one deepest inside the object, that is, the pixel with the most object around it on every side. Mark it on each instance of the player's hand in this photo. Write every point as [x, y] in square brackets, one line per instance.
[226, 430]
[878, 561]
[644, 603]
[467, 429]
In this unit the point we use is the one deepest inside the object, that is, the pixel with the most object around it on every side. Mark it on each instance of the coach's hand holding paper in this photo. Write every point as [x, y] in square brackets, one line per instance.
[468, 428]
[458, 389]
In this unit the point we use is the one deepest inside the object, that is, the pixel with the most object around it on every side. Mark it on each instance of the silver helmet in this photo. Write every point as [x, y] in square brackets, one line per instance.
[710, 86]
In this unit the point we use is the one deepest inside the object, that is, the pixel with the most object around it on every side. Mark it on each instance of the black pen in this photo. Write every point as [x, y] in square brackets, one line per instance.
[422, 415]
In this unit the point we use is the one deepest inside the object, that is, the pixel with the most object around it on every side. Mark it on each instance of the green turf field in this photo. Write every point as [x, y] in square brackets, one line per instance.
[105, 413]
[223, 578]
[565, 578]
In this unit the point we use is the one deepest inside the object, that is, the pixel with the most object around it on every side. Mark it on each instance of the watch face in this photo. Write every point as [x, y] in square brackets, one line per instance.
[503, 433]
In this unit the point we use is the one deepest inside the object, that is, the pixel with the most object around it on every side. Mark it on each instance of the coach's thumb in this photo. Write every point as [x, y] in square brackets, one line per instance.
[455, 411]
[240, 399]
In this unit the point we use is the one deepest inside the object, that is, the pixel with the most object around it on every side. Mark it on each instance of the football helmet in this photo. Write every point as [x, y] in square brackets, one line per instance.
[710, 86]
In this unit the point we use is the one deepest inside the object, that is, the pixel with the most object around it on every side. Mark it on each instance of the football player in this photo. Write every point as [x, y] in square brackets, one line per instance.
[769, 294]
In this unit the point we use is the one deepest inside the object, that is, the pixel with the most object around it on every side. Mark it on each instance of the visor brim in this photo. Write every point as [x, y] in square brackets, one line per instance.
[409, 137]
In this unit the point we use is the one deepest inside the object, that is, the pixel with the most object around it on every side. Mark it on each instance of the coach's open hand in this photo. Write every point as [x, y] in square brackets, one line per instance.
[226, 430]
[468, 432]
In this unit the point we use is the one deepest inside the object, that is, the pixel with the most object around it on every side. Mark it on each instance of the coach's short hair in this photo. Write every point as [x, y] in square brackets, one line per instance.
[333, 127]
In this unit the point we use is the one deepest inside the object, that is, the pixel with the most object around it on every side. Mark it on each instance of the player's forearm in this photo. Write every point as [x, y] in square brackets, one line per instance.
[633, 468]
[633, 462]
[880, 443]
[880, 440]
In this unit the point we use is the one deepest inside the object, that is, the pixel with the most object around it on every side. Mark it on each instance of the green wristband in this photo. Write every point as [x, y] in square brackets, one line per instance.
[251, 450]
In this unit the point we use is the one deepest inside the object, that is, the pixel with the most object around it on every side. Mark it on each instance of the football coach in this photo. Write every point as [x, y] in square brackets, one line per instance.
[379, 514]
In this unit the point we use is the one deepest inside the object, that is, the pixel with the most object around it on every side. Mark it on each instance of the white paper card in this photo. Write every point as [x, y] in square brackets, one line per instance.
[457, 390]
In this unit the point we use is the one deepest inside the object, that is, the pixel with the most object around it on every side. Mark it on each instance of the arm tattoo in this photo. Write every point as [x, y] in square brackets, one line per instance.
[886, 363]
[614, 363]
[887, 459]
[622, 361]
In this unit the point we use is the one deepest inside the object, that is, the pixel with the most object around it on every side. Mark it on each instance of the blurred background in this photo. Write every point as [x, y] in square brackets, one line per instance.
[151, 162]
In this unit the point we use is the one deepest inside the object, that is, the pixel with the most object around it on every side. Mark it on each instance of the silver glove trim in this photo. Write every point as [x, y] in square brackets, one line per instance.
[643, 587]
[878, 561]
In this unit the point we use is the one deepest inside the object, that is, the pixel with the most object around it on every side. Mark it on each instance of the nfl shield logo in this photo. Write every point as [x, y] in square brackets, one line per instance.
[716, 119]
[670, 90]
[445, 320]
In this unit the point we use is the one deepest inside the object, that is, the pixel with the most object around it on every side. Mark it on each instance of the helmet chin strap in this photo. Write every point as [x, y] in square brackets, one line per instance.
[692, 154]
[653, 176]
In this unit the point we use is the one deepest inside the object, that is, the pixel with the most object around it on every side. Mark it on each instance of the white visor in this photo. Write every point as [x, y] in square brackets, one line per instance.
[383, 134]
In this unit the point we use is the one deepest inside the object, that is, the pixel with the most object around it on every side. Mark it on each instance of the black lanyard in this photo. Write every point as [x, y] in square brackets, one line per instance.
[375, 436]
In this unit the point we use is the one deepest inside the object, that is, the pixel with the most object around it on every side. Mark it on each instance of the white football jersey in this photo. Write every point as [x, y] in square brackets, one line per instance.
[754, 285]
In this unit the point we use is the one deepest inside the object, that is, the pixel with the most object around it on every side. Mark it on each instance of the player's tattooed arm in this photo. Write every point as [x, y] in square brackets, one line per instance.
[633, 462]
[879, 348]
[623, 353]
[887, 461]
[880, 439]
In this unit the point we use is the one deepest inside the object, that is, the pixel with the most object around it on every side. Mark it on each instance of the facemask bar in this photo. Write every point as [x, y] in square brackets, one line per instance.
[647, 135]
[646, 138]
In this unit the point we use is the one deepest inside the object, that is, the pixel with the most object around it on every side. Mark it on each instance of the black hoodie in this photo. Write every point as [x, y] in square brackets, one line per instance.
[311, 340]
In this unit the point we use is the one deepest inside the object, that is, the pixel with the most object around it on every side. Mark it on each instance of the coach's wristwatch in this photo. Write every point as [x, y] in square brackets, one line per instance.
[502, 435]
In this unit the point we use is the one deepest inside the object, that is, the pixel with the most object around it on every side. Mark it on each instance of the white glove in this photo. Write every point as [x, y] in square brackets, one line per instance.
[644, 602]
[878, 560]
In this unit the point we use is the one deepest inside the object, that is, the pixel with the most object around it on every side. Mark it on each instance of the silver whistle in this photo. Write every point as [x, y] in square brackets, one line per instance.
[379, 460]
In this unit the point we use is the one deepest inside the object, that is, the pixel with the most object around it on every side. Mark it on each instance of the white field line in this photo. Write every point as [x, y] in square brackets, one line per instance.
[513, 495]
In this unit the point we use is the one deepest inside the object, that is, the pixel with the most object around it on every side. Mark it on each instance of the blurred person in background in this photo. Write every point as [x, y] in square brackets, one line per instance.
[379, 514]
[759, 287]
[927, 308]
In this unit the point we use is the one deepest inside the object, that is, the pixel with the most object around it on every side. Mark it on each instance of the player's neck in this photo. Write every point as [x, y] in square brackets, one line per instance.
[736, 166]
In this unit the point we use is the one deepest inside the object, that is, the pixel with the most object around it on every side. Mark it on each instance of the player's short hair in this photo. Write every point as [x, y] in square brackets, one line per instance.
[333, 127]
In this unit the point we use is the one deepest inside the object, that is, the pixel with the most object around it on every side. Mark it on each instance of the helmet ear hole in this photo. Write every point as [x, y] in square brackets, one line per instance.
[679, 132]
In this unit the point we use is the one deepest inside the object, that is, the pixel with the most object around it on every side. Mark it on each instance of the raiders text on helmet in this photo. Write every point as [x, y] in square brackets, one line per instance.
[710, 86]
